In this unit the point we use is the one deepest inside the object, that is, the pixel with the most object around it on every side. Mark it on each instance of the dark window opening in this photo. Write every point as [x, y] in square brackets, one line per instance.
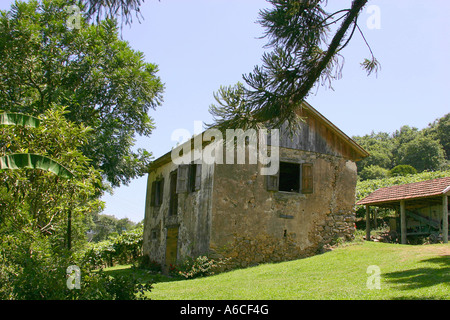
[157, 193]
[192, 169]
[289, 179]
[173, 203]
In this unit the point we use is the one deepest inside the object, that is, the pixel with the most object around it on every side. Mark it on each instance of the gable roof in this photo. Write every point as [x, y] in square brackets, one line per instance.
[422, 189]
[349, 148]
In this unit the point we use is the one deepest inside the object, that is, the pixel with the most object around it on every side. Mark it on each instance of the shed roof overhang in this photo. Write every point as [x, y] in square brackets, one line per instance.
[418, 193]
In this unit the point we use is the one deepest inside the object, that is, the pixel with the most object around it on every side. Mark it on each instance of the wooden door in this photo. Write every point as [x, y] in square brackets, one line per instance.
[171, 246]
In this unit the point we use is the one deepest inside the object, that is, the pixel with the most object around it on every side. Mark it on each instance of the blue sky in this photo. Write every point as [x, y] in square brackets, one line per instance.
[200, 45]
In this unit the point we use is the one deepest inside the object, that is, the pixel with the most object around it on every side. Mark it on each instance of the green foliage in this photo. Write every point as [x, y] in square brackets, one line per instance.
[18, 119]
[198, 267]
[402, 170]
[39, 199]
[122, 249]
[424, 150]
[146, 263]
[423, 153]
[440, 130]
[303, 56]
[33, 161]
[104, 226]
[104, 83]
[374, 172]
[380, 146]
[31, 269]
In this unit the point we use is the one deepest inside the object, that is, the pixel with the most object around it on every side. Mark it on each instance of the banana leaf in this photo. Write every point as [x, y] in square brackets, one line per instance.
[33, 161]
[18, 119]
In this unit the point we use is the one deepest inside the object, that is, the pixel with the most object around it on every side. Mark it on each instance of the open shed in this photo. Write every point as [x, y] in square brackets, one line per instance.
[422, 207]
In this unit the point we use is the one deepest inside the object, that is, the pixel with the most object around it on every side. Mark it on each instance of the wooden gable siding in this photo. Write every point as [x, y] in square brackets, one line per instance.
[316, 136]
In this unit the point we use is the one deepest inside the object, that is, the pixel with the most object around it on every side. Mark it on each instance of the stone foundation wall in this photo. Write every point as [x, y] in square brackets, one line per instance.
[245, 251]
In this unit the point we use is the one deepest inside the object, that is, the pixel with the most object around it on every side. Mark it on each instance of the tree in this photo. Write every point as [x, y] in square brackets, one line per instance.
[402, 170]
[39, 199]
[302, 56]
[27, 160]
[381, 148]
[373, 172]
[104, 83]
[112, 8]
[440, 130]
[423, 153]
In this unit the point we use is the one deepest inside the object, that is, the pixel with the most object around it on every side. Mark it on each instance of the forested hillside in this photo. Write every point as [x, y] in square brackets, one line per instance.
[406, 151]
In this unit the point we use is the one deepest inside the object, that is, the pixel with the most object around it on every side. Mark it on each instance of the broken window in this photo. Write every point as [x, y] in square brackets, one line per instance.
[292, 177]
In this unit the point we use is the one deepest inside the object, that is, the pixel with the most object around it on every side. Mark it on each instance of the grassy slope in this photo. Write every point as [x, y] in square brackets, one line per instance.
[407, 272]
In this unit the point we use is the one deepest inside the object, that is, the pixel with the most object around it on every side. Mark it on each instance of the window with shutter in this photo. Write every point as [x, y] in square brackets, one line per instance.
[289, 180]
[182, 178]
[197, 184]
[307, 178]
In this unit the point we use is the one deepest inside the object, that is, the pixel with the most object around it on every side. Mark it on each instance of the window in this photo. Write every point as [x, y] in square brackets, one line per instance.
[289, 179]
[157, 192]
[292, 177]
[173, 202]
[189, 178]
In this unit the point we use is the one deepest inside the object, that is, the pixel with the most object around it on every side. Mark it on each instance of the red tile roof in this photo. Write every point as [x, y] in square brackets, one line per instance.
[422, 189]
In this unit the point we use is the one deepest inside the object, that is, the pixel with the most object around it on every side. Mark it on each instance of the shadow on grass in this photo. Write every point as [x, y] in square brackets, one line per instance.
[141, 274]
[422, 277]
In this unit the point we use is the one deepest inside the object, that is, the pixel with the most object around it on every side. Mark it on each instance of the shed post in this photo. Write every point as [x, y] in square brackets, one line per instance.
[445, 218]
[367, 223]
[403, 221]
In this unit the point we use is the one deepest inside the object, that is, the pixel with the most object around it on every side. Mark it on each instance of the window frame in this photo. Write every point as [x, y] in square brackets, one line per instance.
[305, 178]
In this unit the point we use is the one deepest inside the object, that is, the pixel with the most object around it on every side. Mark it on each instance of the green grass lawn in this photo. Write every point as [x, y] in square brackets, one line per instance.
[407, 272]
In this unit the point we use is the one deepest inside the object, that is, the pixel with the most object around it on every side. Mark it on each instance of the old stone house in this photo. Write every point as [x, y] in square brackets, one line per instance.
[232, 210]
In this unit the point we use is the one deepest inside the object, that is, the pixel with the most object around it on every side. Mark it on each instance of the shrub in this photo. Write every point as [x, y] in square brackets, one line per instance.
[145, 262]
[199, 267]
[374, 172]
[123, 249]
[402, 170]
[31, 269]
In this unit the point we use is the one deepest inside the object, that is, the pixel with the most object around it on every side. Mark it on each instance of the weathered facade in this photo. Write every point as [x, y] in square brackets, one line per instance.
[232, 210]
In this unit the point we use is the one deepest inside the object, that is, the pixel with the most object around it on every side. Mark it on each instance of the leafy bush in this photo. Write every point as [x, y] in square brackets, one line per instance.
[122, 249]
[199, 267]
[31, 269]
[374, 172]
[144, 262]
[402, 170]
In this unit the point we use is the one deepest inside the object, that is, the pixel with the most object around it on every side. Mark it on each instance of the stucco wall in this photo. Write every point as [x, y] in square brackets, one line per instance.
[296, 224]
[193, 218]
